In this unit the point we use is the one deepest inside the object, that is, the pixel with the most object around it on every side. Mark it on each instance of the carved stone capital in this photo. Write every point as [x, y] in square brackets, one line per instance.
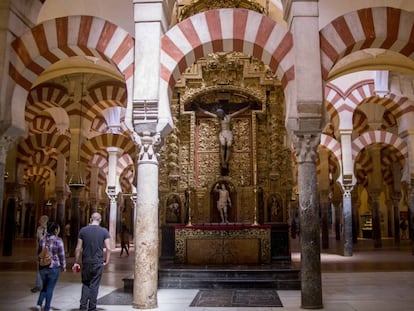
[306, 146]
[150, 144]
[5, 142]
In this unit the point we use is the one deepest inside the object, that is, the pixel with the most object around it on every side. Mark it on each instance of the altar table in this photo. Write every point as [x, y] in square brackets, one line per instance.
[222, 244]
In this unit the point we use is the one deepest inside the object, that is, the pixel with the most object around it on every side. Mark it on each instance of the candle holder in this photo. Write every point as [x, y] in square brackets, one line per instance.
[255, 223]
[189, 223]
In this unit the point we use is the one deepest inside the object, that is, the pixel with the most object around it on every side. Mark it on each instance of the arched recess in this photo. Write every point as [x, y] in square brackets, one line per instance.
[59, 39]
[378, 27]
[223, 30]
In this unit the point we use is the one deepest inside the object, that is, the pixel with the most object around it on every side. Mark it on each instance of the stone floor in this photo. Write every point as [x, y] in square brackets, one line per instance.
[372, 279]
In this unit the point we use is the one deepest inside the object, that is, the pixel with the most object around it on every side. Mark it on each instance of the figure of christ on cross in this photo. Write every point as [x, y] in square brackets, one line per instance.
[226, 134]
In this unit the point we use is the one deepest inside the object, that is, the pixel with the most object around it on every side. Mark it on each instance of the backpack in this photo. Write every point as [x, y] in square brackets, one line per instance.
[45, 258]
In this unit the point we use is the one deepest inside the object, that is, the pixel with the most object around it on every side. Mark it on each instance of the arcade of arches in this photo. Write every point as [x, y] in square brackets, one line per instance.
[115, 106]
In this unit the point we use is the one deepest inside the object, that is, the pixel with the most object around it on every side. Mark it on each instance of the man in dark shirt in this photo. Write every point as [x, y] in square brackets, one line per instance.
[91, 242]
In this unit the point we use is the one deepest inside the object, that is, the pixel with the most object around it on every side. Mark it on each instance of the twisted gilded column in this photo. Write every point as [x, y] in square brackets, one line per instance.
[305, 146]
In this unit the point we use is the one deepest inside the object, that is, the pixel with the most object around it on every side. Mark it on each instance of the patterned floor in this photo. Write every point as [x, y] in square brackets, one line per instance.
[237, 298]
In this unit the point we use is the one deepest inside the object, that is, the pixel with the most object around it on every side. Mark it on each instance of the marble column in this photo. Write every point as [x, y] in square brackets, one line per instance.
[374, 190]
[311, 284]
[411, 214]
[75, 216]
[325, 205]
[356, 203]
[376, 217]
[324, 188]
[113, 207]
[112, 190]
[94, 189]
[347, 216]
[396, 198]
[10, 222]
[4, 146]
[60, 190]
[146, 223]
[60, 206]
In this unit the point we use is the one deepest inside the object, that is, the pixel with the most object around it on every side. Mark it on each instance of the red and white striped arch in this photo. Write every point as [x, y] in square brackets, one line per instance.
[35, 174]
[378, 137]
[332, 145]
[65, 37]
[35, 143]
[225, 30]
[377, 27]
[360, 93]
[45, 96]
[101, 142]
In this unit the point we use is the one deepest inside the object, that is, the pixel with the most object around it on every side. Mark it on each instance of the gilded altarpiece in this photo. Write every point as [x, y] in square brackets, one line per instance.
[259, 176]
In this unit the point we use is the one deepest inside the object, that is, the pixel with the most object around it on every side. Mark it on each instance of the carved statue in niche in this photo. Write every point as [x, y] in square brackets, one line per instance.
[223, 202]
[173, 209]
[225, 135]
[222, 198]
[275, 208]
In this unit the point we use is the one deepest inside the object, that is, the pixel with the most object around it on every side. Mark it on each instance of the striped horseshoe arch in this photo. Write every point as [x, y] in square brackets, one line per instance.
[101, 142]
[380, 27]
[65, 37]
[332, 145]
[360, 93]
[222, 30]
[39, 142]
[376, 137]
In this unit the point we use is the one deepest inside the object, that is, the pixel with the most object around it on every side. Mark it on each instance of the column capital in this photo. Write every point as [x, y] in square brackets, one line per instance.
[149, 143]
[305, 145]
[5, 142]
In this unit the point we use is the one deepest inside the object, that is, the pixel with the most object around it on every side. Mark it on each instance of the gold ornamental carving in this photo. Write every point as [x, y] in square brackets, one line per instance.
[197, 6]
[182, 235]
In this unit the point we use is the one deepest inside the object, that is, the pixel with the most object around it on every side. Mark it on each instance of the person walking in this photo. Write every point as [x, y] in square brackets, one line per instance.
[91, 242]
[50, 274]
[40, 234]
[124, 240]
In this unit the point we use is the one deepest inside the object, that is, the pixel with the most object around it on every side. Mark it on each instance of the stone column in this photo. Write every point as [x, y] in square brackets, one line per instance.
[347, 216]
[356, 203]
[112, 190]
[10, 222]
[93, 189]
[75, 216]
[374, 191]
[411, 214]
[4, 147]
[113, 207]
[311, 283]
[376, 217]
[146, 223]
[325, 205]
[61, 190]
[324, 191]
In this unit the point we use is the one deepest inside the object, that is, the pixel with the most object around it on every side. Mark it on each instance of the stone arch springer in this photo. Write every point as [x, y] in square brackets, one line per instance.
[59, 39]
[223, 30]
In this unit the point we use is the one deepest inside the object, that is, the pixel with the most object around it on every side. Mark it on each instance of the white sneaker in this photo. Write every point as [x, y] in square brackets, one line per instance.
[38, 307]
